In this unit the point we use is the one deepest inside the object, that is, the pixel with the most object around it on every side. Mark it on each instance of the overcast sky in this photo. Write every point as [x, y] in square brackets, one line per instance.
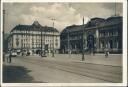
[65, 13]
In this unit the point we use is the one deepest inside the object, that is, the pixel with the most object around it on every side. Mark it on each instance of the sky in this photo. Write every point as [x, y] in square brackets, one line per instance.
[65, 14]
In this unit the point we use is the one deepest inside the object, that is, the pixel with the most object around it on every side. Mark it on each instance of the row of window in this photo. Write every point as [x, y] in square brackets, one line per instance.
[71, 37]
[38, 40]
[106, 34]
[37, 37]
[34, 32]
[109, 44]
[38, 45]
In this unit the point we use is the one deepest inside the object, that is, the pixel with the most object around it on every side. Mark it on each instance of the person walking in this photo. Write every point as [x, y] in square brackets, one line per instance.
[9, 60]
[106, 53]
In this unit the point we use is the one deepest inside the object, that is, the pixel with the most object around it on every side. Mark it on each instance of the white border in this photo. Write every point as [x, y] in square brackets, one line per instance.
[1, 30]
[124, 83]
[62, 1]
[125, 48]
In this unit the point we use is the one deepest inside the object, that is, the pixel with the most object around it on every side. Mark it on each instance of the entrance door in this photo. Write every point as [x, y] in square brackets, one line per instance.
[90, 42]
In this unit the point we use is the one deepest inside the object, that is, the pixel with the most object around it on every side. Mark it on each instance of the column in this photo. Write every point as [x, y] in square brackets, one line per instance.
[97, 41]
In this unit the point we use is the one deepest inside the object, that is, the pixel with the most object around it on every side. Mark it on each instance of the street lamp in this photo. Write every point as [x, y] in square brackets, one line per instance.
[68, 44]
[44, 40]
[83, 42]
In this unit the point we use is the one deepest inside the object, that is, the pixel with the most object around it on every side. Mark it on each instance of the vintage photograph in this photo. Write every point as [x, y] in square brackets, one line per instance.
[62, 42]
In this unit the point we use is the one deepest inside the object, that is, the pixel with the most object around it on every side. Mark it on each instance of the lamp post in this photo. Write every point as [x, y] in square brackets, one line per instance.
[68, 44]
[41, 43]
[83, 42]
[44, 40]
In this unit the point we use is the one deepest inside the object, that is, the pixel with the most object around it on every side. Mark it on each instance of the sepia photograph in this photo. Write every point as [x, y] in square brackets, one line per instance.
[62, 42]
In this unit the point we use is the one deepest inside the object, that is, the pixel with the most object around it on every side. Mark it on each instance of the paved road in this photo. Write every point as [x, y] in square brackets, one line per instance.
[52, 70]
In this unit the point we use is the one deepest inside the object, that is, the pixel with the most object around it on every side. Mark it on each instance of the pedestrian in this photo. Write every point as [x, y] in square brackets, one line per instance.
[9, 60]
[106, 53]
[70, 51]
[7, 56]
[93, 53]
[22, 53]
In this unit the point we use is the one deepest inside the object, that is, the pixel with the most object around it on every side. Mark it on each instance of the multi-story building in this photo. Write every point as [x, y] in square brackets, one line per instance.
[34, 37]
[97, 35]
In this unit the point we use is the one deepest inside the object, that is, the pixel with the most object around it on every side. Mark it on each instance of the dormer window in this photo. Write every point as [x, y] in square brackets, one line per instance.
[36, 23]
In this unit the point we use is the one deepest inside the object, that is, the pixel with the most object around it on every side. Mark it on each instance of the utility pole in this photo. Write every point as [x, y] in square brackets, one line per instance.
[53, 38]
[83, 42]
[53, 55]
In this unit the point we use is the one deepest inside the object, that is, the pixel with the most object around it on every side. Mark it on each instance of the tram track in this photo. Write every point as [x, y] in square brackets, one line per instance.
[83, 71]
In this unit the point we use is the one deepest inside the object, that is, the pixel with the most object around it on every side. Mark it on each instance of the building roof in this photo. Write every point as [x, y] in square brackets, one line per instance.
[72, 28]
[112, 20]
[94, 22]
[34, 27]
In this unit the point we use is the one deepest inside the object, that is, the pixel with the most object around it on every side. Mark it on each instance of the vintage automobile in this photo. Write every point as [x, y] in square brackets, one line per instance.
[13, 53]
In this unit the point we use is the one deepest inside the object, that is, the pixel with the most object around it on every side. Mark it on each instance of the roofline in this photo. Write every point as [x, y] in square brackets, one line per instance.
[42, 27]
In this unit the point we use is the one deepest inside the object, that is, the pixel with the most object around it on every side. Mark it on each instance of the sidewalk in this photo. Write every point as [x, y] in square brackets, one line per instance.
[113, 59]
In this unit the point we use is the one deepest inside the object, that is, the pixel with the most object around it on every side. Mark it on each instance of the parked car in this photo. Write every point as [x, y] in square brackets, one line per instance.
[13, 54]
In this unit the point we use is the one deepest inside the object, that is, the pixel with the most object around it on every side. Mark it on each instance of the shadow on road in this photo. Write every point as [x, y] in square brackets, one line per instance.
[16, 74]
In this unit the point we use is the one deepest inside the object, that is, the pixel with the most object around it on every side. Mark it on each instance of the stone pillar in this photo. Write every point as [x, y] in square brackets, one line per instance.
[97, 40]
[85, 40]
[108, 44]
[13, 41]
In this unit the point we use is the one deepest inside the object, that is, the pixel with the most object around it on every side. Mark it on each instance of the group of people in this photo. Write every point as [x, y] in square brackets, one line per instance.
[9, 60]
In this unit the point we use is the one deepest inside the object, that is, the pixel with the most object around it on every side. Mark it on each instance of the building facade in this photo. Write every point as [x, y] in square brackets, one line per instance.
[97, 35]
[34, 37]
